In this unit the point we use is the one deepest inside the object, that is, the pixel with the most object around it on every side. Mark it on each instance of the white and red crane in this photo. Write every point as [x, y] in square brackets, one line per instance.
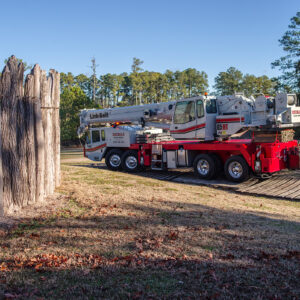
[206, 133]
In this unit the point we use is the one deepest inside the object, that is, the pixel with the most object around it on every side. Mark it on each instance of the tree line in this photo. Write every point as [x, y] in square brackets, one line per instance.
[141, 86]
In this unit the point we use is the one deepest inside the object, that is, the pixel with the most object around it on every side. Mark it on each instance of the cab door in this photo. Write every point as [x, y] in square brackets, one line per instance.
[211, 113]
[184, 120]
[201, 119]
[95, 148]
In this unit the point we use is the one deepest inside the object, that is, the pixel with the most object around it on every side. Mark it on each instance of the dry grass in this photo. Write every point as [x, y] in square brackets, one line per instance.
[117, 235]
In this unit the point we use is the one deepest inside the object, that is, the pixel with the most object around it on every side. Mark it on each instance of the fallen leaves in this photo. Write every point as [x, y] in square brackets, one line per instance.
[228, 256]
[3, 267]
[3, 233]
[172, 235]
[34, 236]
[272, 256]
[44, 262]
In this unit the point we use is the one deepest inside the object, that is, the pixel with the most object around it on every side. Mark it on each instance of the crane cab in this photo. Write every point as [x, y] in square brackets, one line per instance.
[100, 139]
[95, 144]
[194, 118]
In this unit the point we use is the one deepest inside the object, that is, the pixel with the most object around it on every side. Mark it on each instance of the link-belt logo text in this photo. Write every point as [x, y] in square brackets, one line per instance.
[99, 115]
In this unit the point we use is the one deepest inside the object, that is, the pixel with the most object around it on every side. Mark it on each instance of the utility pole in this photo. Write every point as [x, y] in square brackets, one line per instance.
[94, 76]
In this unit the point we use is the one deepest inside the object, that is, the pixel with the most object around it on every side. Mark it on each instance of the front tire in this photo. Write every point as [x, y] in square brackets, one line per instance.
[204, 166]
[236, 169]
[130, 161]
[113, 160]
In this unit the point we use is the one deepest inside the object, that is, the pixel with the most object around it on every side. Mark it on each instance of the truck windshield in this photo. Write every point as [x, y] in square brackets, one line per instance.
[184, 112]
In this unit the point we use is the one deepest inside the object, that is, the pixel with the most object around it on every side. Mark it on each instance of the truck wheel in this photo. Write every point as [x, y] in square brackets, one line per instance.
[130, 162]
[113, 160]
[204, 166]
[236, 169]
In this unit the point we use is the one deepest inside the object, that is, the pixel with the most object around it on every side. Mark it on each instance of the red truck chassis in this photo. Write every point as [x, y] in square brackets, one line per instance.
[235, 157]
[273, 156]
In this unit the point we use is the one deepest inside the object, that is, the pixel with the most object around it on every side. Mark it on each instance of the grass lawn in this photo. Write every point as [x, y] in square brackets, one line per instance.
[117, 235]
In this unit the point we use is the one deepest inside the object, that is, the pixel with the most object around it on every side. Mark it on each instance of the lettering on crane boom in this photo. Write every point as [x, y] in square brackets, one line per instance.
[99, 115]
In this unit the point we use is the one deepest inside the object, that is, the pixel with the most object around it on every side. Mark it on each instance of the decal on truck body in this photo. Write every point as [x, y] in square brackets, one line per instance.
[95, 148]
[189, 129]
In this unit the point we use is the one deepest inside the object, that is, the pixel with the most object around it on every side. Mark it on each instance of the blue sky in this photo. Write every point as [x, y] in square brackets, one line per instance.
[207, 35]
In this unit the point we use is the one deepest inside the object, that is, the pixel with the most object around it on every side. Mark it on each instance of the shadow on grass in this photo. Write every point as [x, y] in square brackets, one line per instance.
[142, 278]
[249, 256]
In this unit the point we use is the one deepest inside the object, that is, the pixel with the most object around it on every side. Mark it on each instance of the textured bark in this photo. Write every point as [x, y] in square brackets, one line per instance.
[56, 128]
[30, 140]
[39, 135]
[1, 174]
[22, 188]
[44, 95]
[30, 124]
[49, 139]
[11, 104]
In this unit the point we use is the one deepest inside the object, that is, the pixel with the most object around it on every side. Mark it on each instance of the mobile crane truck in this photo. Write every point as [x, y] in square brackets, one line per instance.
[204, 132]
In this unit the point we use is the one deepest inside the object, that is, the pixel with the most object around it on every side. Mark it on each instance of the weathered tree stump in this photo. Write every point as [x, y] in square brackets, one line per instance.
[30, 131]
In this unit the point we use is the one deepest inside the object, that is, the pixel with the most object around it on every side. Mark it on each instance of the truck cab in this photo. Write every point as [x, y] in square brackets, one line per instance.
[194, 118]
[95, 143]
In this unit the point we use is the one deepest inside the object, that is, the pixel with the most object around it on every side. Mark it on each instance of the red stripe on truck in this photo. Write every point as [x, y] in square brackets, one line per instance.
[95, 148]
[230, 120]
[188, 129]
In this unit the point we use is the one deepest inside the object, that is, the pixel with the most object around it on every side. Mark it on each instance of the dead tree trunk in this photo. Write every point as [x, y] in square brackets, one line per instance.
[39, 135]
[11, 99]
[56, 125]
[47, 125]
[30, 142]
[1, 175]
[30, 124]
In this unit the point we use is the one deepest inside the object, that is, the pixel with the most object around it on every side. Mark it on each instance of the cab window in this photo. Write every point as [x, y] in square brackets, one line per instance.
[211, 106]
[95, 136]
[200, 109]
[102, 135]
[184, 112]
[88, 137]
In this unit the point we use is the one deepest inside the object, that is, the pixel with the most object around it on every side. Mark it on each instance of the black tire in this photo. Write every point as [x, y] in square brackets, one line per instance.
[111, 159]
[204, 166]
[236, 169]
[219, 164]
[130, 162]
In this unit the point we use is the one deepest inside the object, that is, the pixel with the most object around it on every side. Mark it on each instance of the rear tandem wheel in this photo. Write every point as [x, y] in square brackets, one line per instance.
[130, 161]
[236, 169]
[205, 166]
